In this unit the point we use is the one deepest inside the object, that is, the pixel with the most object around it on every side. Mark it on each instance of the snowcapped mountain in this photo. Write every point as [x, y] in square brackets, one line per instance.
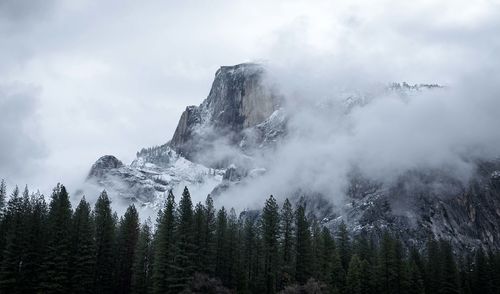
[215, 146]
[240, 111]
[155, 171]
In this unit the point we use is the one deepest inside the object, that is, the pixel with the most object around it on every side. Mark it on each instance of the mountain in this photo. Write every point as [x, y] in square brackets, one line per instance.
[239, 100]
[216, 145]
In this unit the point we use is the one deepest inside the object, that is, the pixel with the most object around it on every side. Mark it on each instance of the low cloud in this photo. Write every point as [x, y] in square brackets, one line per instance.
[387, 132]
[21, 146]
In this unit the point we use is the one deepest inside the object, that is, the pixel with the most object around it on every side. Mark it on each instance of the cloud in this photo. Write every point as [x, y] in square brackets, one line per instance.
[387, 133]
[119, 82]
[21, 146]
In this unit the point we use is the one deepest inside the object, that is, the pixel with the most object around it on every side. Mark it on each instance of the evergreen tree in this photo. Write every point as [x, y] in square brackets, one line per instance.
[415, 280]
[401, 280]
[286, 244]
[250, 259]
[354, 281]
[343, 245]
[433, 267]
[209, 241]
[3, 225]
[143, 262]
[164, 246]
[11, 274]
[199, 236]
[57, 261]
[83, 249]
[303, 245]
[36, 242]
[338, 275]
[127, 237]
[366, 275]
[495, 268]
[104, 245]
[465, 269]
[233, 250]
[270, 233]
[325, 260]
[3, 196]
[316, 249]
[482, 274]
[221, 258]
[183, 260]
[449, 276]
[388, 265]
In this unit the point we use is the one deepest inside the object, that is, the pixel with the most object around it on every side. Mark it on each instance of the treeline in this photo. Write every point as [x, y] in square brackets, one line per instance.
[50, 248]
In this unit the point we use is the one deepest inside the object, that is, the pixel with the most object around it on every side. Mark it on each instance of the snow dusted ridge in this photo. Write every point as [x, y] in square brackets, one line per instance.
[215, 146]
[154, 172]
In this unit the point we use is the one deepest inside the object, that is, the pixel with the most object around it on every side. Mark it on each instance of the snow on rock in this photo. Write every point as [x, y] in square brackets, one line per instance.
[152, 174]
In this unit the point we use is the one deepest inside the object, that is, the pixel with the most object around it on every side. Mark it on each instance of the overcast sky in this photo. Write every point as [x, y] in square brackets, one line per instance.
[81, 79]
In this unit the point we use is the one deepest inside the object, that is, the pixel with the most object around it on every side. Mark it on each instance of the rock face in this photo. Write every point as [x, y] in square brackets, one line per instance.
[155, 171]
[238, 100]
[103, 165]
[242, 114]
[240, 110]
[423, 204]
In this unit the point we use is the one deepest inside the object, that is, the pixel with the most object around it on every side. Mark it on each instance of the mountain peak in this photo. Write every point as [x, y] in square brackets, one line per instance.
[238, 99]
[103, 164]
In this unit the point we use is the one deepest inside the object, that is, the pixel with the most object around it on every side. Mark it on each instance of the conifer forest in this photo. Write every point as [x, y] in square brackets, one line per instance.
[197, 248]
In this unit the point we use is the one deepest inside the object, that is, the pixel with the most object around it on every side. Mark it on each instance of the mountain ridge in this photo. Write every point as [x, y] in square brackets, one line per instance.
[213, 147]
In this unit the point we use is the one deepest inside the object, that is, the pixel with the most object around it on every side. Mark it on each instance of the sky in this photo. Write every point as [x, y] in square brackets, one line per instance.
[81, 79]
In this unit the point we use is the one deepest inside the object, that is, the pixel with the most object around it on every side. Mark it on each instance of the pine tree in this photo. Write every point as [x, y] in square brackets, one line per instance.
[343, 245]
[465, 277]
[209, 241]
[232, 249]
[57, 261]
[183, 260]
[325, 260]
[249, 255]
[164, 246]
[338, 275]
[387, 276]
[3, 196]
[316, 249]
[415, 280]
[366, 274]
[28, 277]
[127, 237]
[401, 279]
[495, 268]
[354, 281]
[199, 236]
[221, 258]
[303, 245]
[270, 233]
[482, 277]
[104, 242]
[286, 244]
[143, 262]
[36, 242]
[449, 277]
[433, 267]
[3, 225]
[83, 249]
[11, 274]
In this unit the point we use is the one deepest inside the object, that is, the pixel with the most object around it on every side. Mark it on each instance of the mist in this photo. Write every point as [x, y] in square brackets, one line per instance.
[384, 133]
[75, 90]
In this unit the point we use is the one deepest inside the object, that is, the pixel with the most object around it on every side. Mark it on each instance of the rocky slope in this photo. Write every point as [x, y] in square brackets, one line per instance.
[214, 146]
[428, 203]
[239, 100]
